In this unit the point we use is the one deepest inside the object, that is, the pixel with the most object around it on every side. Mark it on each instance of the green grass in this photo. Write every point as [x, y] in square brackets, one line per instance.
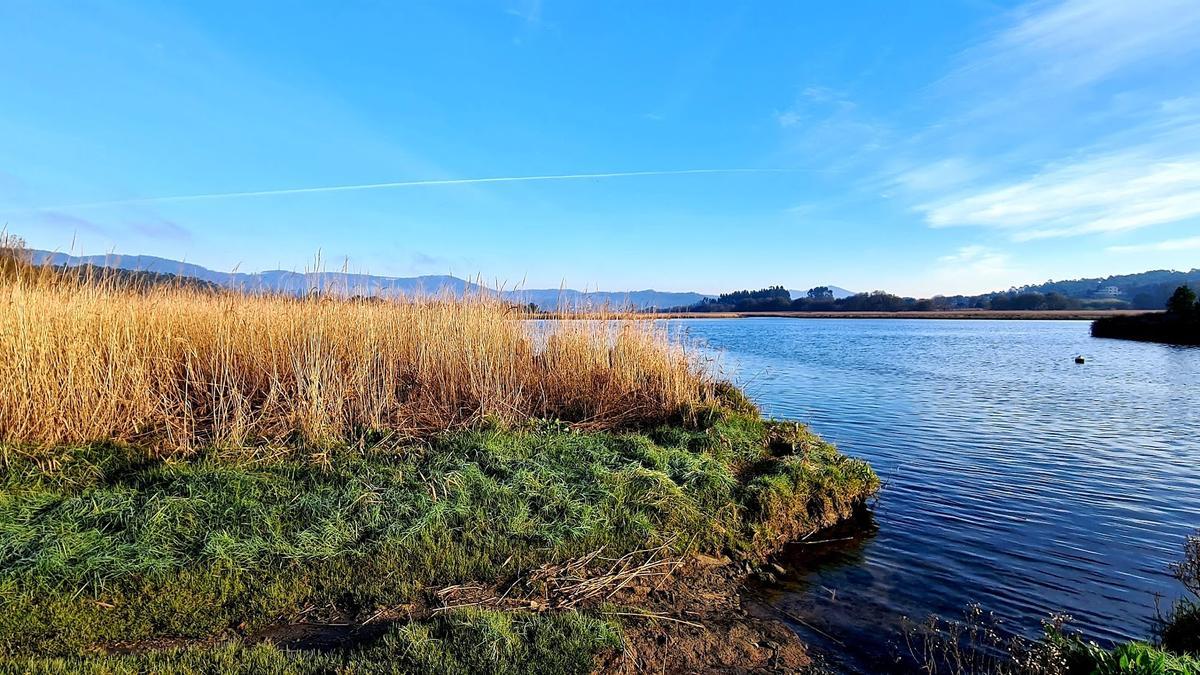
[1139, 658]
[465, 641]
[1131, 658]
[104, 545]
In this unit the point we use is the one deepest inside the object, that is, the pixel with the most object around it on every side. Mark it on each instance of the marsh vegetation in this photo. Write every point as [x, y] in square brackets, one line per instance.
[187, 476]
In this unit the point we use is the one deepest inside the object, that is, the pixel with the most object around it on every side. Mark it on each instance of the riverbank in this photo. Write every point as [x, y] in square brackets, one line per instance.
[545, 545]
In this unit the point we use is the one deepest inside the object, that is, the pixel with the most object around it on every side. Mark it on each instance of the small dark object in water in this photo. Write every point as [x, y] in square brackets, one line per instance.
[1079, 359]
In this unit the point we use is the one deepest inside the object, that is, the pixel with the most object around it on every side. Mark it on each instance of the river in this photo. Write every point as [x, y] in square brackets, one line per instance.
[1014, 477]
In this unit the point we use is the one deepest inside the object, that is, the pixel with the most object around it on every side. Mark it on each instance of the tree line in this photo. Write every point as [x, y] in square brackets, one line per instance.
[820, 299]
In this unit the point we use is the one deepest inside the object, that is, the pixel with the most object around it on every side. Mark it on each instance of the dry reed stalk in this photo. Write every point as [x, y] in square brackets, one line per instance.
[584, 580]
[177, 368]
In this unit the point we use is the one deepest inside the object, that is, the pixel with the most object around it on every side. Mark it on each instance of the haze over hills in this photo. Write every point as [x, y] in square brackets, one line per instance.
[283, 281]
[1141, 290]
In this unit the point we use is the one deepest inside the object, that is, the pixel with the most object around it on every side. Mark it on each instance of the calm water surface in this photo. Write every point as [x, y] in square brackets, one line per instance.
[1014, 478]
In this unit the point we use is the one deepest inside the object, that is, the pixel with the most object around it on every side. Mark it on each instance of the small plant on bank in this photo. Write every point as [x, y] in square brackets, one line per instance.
[1181, 628]
[978, 645]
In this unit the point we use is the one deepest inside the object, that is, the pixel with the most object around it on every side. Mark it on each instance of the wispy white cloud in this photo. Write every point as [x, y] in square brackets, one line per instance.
[1078, 141]
[1079, 42]
[977, 258]
[937, 176]
[1184, 244]
[972, 269]
[787, 118]
[823, 94]
[815, 105]
[825, 127]
[530, 11]
[1125, 190]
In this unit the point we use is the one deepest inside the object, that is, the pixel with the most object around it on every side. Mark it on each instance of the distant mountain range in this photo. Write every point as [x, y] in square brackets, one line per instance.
[1143, 290]
[282, 281]
[272, 280]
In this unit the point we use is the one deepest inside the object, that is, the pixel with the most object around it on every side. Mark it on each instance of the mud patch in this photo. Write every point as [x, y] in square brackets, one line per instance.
[699, 624]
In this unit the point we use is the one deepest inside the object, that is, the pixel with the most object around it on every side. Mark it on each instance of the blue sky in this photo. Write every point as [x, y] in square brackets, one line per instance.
[928, 146]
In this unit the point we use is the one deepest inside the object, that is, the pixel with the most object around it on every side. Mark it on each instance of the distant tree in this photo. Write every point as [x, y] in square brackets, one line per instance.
[1145, 300]
[1058, 301]
[11, 243]
[1029, 301]
[14, 259]
[875, 301]
[1182, 302]
[820, 293]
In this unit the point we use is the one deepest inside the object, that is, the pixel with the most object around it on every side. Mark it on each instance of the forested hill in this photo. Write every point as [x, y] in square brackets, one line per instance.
[1148, 290]
[1145, 290]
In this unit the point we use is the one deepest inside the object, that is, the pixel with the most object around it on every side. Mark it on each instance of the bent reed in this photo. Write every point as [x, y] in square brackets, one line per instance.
[177, 368]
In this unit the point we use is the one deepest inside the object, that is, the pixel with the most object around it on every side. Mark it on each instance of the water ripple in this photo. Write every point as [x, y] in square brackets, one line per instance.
[1015, 478]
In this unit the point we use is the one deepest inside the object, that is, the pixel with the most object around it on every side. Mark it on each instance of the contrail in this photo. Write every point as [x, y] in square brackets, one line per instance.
[398, 184]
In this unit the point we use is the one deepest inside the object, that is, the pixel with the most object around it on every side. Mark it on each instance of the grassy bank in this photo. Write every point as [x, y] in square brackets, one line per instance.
[189, 480]
[107, 546]
[465, 641]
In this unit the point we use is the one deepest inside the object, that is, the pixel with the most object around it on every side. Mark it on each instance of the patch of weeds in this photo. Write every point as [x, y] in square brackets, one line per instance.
[978, 644]
[1181, 628]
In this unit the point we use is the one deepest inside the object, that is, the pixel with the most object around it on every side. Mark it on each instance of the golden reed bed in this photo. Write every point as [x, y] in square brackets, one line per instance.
[175, 368]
